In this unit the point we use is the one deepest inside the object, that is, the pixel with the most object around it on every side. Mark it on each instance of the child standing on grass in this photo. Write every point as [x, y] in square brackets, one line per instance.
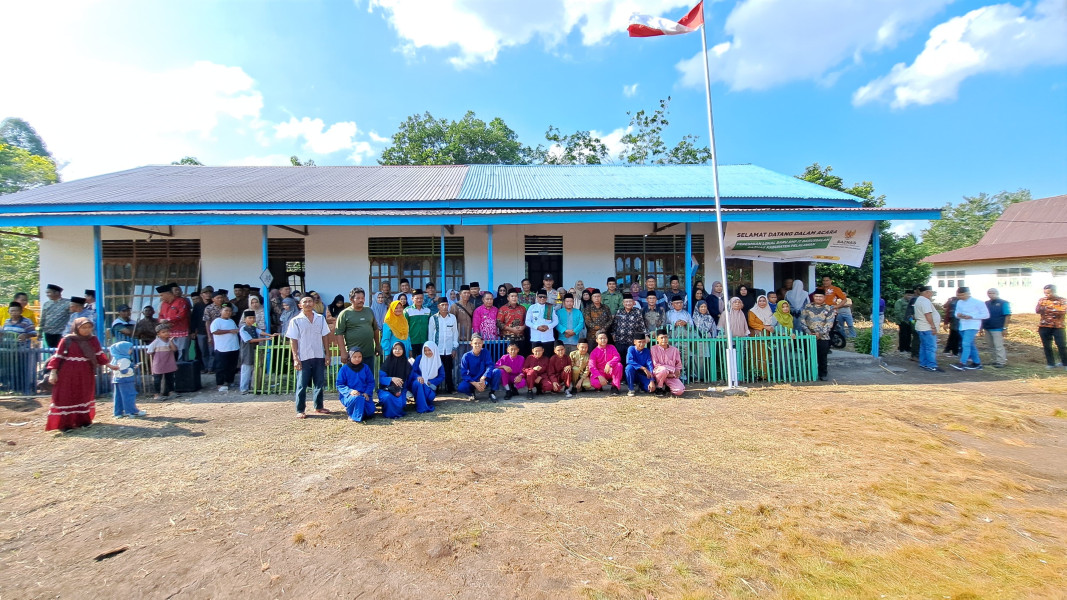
[251, 336]
[123, 381]
[164, 362]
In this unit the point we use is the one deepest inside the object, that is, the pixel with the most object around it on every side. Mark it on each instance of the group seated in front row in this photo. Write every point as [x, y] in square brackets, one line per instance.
[400, 378]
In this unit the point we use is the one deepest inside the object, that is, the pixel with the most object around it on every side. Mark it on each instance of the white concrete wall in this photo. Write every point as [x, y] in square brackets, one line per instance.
[982, 276]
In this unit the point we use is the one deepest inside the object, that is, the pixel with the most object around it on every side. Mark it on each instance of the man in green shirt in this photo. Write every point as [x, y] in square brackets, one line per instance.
[613, 297]
[418, 321]
[899, 316]
[357, 326]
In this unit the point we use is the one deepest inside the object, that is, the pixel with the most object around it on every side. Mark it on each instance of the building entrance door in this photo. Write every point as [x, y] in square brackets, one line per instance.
[544, 254]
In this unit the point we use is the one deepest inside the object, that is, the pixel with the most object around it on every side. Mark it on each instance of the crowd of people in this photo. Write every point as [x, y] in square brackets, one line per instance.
[965, 318]
[405, 345]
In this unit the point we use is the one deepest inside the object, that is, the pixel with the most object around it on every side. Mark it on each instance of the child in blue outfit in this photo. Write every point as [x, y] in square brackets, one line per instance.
[124, 381]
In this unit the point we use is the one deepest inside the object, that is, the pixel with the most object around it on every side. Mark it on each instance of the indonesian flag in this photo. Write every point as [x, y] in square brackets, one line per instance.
[649, 26]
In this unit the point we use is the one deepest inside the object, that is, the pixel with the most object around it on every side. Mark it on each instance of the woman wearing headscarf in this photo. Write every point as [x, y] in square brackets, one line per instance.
[254, 303]
[290, 309]
[716, 300]
[484, 320]
[380, 306]
[798, 299]
[427, 374]
[734, 318]
[501, 298]
[355, 387]
[393, 381]
[761, 319]
[748, 299]
[635, 291]
[704, 327]
[698, 284]
[453, 297]
[73, 376]
[783, 315]
[395, 327]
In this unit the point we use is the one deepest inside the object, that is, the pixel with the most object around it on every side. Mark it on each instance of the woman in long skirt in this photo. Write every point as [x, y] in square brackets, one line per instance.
[392, 382]
[426, 376]
[355, 387]
[73, 377]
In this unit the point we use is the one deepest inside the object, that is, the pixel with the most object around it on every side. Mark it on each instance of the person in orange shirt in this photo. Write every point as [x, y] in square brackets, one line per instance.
[838, 299]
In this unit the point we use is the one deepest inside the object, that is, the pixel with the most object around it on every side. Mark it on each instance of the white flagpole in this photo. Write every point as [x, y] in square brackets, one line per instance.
[731, 353]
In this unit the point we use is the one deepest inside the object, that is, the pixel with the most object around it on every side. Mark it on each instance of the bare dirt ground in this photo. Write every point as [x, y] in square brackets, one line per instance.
[884, 485]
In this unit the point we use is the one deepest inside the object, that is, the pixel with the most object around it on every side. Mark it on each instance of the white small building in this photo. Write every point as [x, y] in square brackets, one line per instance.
[1025, 250]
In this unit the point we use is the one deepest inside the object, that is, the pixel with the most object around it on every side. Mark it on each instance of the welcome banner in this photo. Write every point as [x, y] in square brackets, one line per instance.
[833, 242]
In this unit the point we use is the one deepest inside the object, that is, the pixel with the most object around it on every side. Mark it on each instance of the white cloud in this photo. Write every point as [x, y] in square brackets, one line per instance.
[613, 140]
[997, 38]
[378, 139]
[908, 227]
[100, 116]
[773, 42]
[479, 29]
[629, 90]
[318, 139]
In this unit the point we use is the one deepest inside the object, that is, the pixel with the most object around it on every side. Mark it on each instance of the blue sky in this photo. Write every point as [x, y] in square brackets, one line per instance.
[928, 99]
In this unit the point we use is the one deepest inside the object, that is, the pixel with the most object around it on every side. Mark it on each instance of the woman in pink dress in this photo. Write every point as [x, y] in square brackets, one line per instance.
[605, 365]
[484, 319]
[510, 366]
[74, 377]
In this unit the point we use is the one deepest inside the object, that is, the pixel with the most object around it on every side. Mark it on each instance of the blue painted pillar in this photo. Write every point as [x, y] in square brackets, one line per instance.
[266, 265]
[876, 253]
[688, 265]
[489, 260]
[444, 285]
[98, 283]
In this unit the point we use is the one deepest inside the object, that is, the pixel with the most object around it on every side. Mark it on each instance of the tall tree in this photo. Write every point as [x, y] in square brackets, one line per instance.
[644, 142]
[964, 224]
[425, 140]
[190, 161]
[295, 161]
[901, 254]
[20, 170]
[578, 148]
[20, 134]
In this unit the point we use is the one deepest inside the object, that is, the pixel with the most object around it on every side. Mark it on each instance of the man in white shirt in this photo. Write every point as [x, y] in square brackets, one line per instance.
[307, 335]
[970, 311]
[677, 317]
[542, 320]
[443, 330]
[927, 320]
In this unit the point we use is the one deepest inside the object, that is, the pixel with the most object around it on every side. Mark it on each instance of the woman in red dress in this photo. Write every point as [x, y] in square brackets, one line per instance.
[74, 377]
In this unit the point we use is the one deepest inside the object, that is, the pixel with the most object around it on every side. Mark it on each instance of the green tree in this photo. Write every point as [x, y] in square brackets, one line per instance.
[295, 161]
[964, 224]
[644, 142]
[425, 140]
[19, 263]
[578, 148]
[20, 134]
[901, 254]
[190, 161]
[20, 170]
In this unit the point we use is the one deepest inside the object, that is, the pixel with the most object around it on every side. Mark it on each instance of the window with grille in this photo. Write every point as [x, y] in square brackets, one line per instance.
[133, 269]
[417, 259]
[638, 257]
[285, 257]
[1014, 277]
[950, 279]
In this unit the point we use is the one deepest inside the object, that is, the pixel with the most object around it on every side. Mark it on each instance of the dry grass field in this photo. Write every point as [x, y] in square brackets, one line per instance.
[881, 485]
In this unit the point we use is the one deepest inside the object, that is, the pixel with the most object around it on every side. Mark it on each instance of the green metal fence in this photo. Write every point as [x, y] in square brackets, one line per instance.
[773, 358]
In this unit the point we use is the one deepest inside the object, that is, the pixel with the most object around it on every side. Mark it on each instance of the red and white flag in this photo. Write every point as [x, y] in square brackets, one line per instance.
[649, 26]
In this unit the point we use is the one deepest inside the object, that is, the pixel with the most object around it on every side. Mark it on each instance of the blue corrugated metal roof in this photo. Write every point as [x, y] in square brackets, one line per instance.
[599, 182]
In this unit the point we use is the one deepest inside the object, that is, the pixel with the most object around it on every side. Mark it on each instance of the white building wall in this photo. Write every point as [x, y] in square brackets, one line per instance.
[982, 276]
